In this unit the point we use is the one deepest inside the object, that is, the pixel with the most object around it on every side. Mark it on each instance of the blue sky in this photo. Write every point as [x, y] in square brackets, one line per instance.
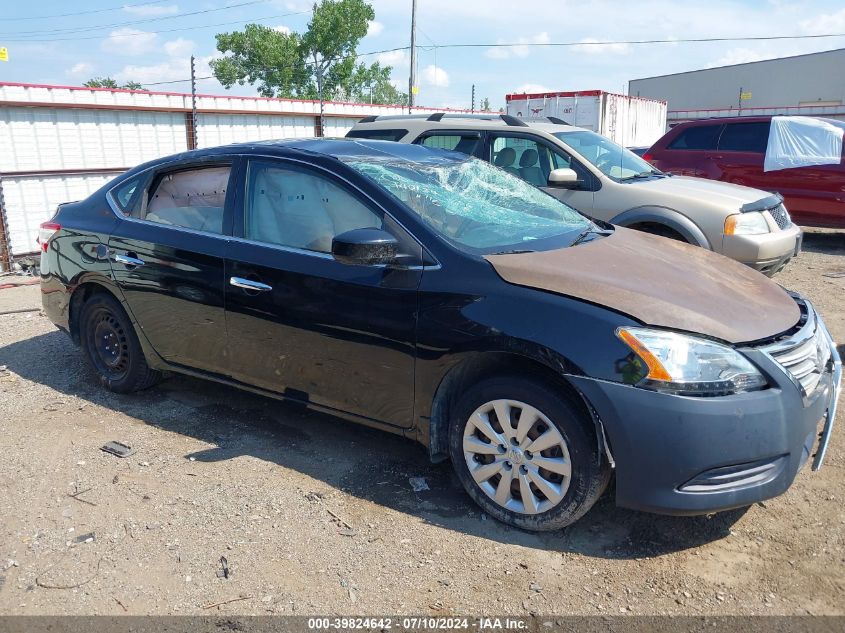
[152, 42]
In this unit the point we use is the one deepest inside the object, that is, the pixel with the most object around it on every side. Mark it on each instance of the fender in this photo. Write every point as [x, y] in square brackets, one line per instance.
[432, 431]
[106, 284]
[667, 217]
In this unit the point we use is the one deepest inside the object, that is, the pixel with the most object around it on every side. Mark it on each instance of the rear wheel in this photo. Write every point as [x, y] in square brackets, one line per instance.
[111, 346]
[526, 453]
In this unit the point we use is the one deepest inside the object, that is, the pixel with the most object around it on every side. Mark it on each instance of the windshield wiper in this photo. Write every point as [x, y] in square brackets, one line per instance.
[515, 251]
[590, 230]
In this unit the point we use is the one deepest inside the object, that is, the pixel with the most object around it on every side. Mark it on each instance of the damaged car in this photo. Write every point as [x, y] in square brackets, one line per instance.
[429, 294]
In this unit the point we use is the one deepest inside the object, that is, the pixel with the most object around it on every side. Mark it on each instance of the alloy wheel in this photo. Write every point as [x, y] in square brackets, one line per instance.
[517, 456]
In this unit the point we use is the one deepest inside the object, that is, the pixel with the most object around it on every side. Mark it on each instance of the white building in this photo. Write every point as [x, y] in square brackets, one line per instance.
[812, 84]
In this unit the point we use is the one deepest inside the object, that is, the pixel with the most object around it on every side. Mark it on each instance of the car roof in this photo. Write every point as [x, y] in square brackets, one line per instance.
[325, 146]
[416, 123]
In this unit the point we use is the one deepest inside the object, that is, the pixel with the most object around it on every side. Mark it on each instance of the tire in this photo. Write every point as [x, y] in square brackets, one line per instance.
[112, 347]
[579, 475]
[662, 231]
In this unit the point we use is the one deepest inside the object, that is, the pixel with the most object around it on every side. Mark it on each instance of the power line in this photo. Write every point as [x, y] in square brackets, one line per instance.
[193, 27]
[135, 22]
[75, 13]
[674, 41]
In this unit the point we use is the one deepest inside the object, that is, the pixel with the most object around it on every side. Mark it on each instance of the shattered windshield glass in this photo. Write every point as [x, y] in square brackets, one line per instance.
[475, 204]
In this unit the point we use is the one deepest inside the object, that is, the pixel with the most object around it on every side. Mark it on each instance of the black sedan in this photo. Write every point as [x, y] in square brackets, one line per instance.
[433, 295]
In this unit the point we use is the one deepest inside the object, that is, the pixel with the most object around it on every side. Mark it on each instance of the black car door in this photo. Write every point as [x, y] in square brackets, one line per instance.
[167, 259]
[302, 324]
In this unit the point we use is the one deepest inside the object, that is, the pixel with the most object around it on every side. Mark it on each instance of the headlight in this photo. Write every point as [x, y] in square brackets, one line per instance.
[690, 366]
[751, 223]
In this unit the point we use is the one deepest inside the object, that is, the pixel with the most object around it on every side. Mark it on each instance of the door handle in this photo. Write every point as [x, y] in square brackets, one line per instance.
[249, 284]
[128, 260]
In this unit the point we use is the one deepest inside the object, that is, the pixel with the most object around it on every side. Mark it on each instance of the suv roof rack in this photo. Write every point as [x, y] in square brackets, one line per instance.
[557, 120]
[438, 116]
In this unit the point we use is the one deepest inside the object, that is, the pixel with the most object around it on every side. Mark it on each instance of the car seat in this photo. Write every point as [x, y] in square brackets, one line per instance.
[504, 160]
[529, 170]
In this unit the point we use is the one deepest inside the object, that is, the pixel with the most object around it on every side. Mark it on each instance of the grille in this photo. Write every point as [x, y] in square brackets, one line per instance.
[781, 216]
[805, 355]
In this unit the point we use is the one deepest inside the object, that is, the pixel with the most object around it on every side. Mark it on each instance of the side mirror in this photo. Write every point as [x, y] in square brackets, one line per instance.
[364, 247]
[564, 178]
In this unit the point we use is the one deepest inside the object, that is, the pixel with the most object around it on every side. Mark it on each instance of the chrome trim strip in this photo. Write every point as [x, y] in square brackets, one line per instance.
[834, 401]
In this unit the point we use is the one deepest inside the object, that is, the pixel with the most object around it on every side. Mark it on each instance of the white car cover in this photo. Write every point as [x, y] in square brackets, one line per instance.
[799, 141]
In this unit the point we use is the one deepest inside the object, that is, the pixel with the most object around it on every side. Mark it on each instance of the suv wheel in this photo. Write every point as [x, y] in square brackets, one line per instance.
[526, 454]
[112, 348]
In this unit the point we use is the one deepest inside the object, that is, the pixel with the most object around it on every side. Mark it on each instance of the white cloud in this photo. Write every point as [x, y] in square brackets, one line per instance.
[130, 42]
[281, 28]
[374, 28]
[393, 58]
[739, 56]
[530, 89]
[152, 11]
[179, 47]
[592, 47]
[825, 23]
[81, 68]
[434, 76]
[521, 46]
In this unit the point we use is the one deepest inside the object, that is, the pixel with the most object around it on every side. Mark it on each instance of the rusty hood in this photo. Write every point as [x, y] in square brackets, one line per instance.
[660, 282]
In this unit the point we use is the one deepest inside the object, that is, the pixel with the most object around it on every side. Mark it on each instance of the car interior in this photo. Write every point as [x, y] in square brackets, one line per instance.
[296, 209]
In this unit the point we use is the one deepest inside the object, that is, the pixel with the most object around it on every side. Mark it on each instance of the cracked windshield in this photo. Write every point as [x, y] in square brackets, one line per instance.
[474, 204]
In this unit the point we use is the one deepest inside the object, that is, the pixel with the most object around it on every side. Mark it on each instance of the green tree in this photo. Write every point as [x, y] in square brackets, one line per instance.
[108, 82]
[297, 65]
[485, 105]
[101, 82]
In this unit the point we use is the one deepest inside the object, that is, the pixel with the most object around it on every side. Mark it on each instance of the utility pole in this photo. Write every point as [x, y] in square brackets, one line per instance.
[319, 94]
[472, 106]
[412, 81]
[193, 104]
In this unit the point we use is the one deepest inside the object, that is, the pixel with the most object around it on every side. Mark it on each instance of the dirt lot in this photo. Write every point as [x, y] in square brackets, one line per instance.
[315, 515]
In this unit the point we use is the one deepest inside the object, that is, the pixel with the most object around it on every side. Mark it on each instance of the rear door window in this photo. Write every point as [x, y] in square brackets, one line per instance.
[697, 137]
[745, 137]
[189, 198]
[454, 141]
[523, 157]
[128, 196]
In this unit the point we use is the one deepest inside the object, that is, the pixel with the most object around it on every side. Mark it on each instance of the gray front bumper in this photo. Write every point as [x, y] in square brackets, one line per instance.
[692, 455]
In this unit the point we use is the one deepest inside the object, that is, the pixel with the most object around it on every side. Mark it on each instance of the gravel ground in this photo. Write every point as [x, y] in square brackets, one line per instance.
[314, 515]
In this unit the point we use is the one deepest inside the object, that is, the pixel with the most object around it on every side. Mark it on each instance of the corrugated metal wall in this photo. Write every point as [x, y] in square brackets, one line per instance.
[60, 143]
[31, 200]
[222, 129]
[52, 139]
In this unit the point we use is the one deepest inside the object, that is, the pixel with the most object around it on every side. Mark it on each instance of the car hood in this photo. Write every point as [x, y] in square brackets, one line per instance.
[660, 282]
[725, 195]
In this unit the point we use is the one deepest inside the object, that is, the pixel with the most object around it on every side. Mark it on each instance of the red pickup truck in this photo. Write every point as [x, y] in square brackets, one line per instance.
[733, 150]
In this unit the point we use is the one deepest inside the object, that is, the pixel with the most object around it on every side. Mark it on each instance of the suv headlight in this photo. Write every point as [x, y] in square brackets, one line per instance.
[751, 223]
[688, 365]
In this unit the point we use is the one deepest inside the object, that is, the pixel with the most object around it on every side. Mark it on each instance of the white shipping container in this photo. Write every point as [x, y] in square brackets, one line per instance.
[629, 121]
[223, 129]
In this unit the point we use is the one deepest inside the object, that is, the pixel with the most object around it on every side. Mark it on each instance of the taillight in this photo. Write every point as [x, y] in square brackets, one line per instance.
[45, 233]
[648, 157]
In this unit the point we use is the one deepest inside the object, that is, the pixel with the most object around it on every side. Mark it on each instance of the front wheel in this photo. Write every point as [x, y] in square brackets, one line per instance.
[112, 348]
[526, 454]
